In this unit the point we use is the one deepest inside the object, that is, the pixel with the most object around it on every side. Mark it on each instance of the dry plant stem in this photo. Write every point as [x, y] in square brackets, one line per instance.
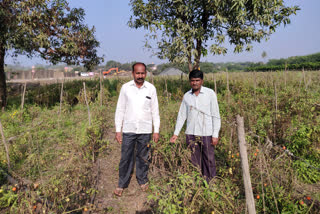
[230, 141]
[95, 185]
[5, 146]
[61, 98]
[270, 183]
[300, 82]
[226, 198]
[308, 83]
[78, 209]
[261, 176]
[40, 172]
[286, 77]
[85, 96]
[245, 166]
[276, 110]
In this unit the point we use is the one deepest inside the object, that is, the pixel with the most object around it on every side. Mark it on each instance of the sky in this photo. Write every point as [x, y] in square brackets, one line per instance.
[121, 43]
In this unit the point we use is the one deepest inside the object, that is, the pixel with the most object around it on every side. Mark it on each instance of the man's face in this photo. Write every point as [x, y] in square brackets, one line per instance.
[139, 73]
[196, 83]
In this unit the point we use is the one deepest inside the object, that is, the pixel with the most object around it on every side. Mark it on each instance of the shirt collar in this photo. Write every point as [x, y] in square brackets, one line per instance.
[201, 90]
[134, 84]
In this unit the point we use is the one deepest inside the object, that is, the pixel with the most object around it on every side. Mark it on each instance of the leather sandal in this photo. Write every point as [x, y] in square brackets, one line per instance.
[118, 191]
[144, 187]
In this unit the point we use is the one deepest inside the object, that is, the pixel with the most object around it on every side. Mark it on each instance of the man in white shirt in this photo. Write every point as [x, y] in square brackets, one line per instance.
[137, 109]
[200, 107]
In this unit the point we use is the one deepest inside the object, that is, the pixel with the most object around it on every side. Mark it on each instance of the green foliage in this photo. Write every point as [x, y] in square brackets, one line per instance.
[57, 152]
[296, 59]
[50, 29]
[187, 26]
[308, 167]
[300, 66]
[7, 197]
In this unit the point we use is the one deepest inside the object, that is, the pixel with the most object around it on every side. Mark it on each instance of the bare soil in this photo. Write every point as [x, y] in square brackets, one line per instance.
[133, 200]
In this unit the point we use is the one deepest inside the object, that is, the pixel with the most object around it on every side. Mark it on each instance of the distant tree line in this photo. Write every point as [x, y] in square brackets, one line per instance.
[206, 67]
[308, 62]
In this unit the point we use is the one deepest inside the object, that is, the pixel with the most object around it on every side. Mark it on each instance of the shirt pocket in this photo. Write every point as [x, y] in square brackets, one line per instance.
[147, 103]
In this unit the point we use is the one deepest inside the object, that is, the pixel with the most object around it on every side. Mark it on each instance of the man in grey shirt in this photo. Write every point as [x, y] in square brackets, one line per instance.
[200, 108]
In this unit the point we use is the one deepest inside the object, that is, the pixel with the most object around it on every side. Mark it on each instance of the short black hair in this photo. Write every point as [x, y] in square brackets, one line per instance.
[196, 74]
[139, 63]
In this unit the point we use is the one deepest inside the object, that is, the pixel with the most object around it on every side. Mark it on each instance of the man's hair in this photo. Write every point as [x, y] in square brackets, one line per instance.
[196, 74]
[139, 63]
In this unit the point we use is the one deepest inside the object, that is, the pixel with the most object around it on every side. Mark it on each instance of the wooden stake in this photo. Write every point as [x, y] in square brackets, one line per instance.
[165, 81]
[245, 166]
[61, 97]
[304, 77]
[215, 83]
[261, 177]
[85, 96]
[227, 81]
[255, 86]
[101, 89]
[276, 110]
[152, 78]
[228, 90]
[6, 146]
[23, 95]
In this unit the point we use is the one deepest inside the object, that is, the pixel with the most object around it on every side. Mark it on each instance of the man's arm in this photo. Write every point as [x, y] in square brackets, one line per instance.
[155, 116]
[182, 115]
[216, 120]
[119, 116]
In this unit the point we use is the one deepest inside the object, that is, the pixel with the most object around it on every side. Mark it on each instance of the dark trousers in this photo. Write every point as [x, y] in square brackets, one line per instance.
[134, 147]
[202, 155]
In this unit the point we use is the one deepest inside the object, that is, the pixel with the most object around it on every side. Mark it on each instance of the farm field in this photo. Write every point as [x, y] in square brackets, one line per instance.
[63, 164]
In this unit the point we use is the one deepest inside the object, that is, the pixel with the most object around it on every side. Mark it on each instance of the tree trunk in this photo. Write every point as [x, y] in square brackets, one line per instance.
[3, 87]
[197, 58]
[189, 62]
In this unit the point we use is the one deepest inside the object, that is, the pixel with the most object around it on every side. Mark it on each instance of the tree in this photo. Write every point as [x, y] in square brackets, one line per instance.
[48, 29]
[112, 64]
[264, 54]
[187, 25]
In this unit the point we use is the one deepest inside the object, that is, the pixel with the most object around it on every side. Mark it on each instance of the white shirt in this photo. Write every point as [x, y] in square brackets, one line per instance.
[137, 109]
[201, 112]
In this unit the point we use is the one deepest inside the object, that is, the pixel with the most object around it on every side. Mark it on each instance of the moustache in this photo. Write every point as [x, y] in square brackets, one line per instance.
[140, 79]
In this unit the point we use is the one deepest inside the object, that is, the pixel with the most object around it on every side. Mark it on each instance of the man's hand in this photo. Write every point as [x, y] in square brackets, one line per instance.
[214, 141]
[173, 139]
[155, 137]
[119, 137]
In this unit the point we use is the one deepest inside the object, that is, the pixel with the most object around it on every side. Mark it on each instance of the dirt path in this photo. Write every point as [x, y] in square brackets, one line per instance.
[133, 199]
